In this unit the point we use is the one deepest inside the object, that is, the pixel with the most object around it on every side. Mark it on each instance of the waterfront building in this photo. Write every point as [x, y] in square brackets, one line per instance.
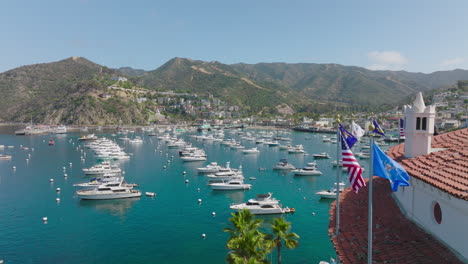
[421, 223]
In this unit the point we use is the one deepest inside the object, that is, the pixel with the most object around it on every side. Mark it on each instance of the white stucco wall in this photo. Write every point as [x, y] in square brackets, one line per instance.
[417, 203]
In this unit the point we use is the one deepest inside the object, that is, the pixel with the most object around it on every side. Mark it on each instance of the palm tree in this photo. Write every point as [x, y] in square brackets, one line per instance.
[281, 233]
[247, 243]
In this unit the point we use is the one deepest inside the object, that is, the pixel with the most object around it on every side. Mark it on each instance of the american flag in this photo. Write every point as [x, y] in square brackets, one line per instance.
[402, 130]
[350, 162]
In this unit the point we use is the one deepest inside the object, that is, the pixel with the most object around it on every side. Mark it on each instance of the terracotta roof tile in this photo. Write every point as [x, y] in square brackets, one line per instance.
[445, 169]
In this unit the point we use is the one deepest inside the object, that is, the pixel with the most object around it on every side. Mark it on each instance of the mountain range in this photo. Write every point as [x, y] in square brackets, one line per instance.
[67, 91]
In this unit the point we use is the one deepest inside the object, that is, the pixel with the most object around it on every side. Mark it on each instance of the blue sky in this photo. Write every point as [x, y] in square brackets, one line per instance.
[417, 36]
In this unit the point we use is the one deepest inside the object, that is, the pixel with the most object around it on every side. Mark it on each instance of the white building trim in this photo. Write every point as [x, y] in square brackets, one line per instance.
[417, 202]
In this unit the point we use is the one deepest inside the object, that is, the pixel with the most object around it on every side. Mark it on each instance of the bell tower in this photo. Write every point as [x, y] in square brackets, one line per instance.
[419, 127]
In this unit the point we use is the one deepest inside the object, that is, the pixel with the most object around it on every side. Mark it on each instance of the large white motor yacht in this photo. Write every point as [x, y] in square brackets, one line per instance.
[117, 190]
[331, 194]
[262, 204]
[96, 182]
[306, 171]
[195, 157]
[233, 184]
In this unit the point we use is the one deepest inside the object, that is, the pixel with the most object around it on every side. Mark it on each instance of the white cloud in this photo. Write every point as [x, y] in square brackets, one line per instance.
[451, 62]
[386, 60]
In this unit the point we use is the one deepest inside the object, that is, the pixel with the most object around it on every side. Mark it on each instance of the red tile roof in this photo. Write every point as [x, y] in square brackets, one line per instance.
[395, 238]
[444, 169]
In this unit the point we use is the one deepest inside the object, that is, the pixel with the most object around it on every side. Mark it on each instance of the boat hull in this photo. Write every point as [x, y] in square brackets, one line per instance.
[220, 187]
[307, 173]
[109, 196]
[327, 195]
[264, 211]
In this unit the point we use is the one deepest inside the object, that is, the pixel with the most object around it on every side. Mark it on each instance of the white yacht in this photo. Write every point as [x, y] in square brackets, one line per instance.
[322, 155]
[5, 157]
[272, 143]
[136, 140]
[283, 147]
[225, 174]
[60, 130]
[298, 149]
[104, 167]
[251, 151]
[164, 137]
[307, 171]
[117, 190]
[233, 184]
[213, 167]
[284, 165]
[331, 194]
[261, 209]
[237, 146]
[194, 157]
[264, 199]
[262, 204]
[96, 182]
[114, 156]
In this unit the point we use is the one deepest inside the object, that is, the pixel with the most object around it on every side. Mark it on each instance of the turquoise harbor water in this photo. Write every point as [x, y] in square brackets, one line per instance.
[165, 229]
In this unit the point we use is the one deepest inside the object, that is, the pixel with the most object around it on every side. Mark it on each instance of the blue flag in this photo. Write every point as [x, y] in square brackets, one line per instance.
[377, 128]
[350, 138]
[389, 169]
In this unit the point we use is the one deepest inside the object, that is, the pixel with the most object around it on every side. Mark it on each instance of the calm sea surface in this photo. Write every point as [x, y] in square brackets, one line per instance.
[165, 229]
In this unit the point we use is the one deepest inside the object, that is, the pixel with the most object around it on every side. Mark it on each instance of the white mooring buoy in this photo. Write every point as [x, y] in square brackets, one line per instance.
[57, 200]
[44, 219]
[58, 189]
[186, 181]
[199, 200]
[213, 214]
[203, 235]
[51, 180]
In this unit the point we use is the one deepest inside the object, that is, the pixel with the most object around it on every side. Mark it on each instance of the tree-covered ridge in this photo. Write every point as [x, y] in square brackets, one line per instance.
[68, 91]
[62, 92]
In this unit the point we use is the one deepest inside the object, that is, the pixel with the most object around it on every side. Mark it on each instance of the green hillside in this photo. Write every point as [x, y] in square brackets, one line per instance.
[67, 91]
[62, 92]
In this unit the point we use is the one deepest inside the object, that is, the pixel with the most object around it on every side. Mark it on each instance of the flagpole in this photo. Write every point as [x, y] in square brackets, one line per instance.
[338, 171]
[369, 216]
